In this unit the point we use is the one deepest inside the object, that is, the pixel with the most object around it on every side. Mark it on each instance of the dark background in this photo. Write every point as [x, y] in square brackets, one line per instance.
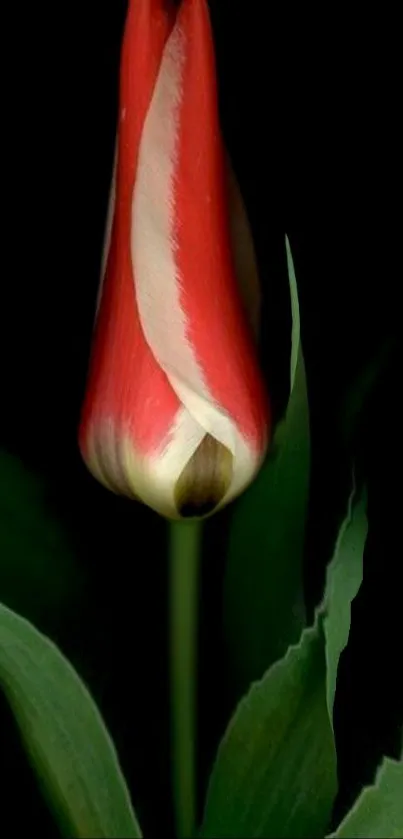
[309, 116]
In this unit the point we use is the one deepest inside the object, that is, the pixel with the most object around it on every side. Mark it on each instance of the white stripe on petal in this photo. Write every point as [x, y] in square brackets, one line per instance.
[157, 279]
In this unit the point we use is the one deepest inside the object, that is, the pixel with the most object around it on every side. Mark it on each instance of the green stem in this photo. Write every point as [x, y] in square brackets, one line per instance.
[185, 539]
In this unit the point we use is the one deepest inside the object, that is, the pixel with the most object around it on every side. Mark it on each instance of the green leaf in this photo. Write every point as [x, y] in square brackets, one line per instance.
[378, 811]
[344, 578]
[64, 735]
[275, 773]
[263, 593]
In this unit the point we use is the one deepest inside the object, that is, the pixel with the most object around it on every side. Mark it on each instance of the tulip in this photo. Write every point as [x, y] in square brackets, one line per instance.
[175, 412]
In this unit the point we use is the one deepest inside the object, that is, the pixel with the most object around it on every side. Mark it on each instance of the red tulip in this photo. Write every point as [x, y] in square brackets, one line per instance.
[175, 412]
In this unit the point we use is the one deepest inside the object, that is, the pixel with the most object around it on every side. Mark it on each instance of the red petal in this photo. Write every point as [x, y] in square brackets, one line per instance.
[125, 384]
[217, 323]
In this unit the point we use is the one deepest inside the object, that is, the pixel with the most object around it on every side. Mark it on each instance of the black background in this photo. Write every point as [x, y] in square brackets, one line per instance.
[309, 114]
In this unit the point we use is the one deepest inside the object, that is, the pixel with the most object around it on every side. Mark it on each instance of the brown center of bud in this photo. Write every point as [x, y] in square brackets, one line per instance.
[205, 479]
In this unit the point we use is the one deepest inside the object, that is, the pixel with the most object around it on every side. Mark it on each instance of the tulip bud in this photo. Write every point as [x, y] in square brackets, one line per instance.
[175, 412]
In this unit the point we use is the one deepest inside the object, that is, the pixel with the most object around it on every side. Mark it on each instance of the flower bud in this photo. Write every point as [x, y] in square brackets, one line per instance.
[175, 412]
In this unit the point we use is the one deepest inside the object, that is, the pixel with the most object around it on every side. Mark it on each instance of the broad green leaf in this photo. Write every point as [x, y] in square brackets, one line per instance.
[64, 735]
[378, 811]
[263, 594]
[275, 773]
[344, 578]
[39, 572]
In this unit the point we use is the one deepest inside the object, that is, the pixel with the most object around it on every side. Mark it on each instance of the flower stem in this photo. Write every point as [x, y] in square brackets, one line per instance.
[185, 549]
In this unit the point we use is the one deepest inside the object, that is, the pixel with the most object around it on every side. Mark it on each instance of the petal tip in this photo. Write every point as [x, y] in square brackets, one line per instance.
[205, 480]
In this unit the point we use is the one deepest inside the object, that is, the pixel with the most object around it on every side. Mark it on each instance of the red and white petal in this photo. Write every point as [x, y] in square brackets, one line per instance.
[173, 364]
[184, 273]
